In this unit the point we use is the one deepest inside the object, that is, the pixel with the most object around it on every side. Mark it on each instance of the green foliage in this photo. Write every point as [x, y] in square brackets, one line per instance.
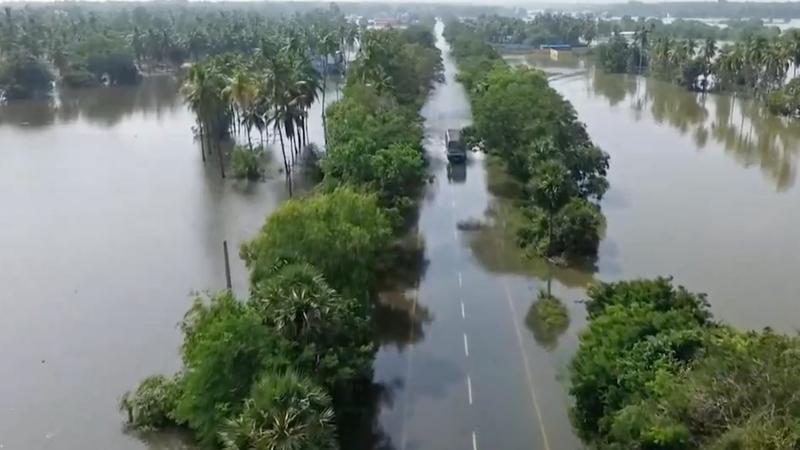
[284, 412]
[544, 28]
[401, 63]
[573, 231]
[786, 100]
[226, 346]
[654, 372]
[248, 164]
[615, 55]
[24, 77]
[519, 118]
[79, 78]
[635, 339]
[152, 405]
[325, 334]
[343, 233]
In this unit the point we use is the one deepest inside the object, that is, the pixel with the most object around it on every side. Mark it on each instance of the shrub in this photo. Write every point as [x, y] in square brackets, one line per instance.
[79, 78]
[248, 164]
[153, 403]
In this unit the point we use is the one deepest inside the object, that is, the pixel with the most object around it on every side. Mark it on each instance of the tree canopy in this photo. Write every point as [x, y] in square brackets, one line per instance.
[654, 370]
[520, 119]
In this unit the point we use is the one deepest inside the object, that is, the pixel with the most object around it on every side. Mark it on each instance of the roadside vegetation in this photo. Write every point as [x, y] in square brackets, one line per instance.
[527, 125]
[287, 366]
[654, 370]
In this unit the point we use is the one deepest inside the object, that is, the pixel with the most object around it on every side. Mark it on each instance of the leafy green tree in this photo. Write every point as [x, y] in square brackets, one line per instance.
[640, 332]
[343, 233]
[226, 347]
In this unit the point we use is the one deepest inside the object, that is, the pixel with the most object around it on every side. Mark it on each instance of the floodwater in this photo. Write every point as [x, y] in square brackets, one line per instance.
[470, 374]
[110, 221]
[703, 188]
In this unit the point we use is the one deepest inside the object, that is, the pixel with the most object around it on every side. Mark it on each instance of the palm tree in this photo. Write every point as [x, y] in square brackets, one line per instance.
[243, 91]
[286, 412]
[202, 90]
[327, 45]
[794, 46]
[551, 188]
[709, 51]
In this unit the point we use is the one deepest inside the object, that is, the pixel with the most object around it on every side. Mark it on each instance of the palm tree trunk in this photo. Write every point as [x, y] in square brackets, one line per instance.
[249, 141]
[283, 152]
[221, 161]
[324, 88]
[202, 143]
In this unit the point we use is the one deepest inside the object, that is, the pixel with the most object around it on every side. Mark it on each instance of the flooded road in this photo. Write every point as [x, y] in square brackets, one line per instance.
[703, 188]
[110, 221]
[471, 374]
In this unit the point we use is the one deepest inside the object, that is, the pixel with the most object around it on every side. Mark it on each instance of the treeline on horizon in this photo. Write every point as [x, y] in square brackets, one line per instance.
[716, 9]
[84, 44]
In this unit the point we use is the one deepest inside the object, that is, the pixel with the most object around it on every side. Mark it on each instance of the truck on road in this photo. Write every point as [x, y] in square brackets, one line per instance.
[454, 146]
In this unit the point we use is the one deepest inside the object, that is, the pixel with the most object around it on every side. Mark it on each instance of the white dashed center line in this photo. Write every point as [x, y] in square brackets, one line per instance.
[469, 389]
[466, 345]
[463, 314]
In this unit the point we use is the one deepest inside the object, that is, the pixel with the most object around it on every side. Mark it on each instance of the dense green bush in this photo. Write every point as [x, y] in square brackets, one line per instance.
[641, 334]
[79, 78]
[152, 404]
[225, 349]
[653, 371]
[786, 100]
[24, 77]
[248, 164]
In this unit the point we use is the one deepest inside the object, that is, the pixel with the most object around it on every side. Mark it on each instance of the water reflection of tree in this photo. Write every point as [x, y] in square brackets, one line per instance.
[546, 325]
[499, 254]
[746, 130]
[399, 319]
[104, 106]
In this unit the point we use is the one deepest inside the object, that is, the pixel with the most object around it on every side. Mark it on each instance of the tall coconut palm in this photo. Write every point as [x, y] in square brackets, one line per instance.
[202, 90]
[327, 45]
[708, 53]
[242, 92]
